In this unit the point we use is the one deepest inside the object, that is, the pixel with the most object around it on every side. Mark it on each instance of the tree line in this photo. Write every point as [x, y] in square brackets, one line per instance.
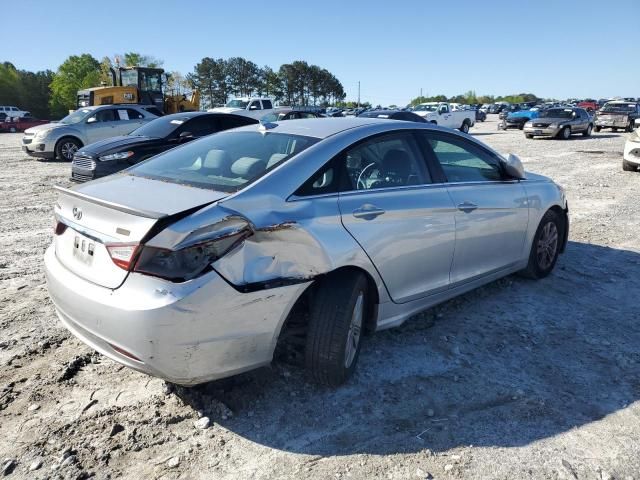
[470, 98]
[51, 95]
[296, 83]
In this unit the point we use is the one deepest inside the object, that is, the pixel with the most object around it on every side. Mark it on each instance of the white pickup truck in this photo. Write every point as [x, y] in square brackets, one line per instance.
[254, 107]
[442, 114]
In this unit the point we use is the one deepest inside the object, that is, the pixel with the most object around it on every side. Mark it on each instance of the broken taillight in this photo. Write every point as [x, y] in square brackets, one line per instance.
[59, 228]
[122, 254]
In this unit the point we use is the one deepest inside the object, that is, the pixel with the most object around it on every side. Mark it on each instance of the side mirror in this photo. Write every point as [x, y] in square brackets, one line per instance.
[514, 168]
[92, 120]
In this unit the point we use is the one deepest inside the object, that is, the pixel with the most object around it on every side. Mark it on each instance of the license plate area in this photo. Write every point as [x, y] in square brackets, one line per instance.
[83, 248]
[537, 132]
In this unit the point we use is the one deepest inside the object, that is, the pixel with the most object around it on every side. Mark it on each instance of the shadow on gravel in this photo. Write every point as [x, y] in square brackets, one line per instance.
[506, 365]
[595, 136]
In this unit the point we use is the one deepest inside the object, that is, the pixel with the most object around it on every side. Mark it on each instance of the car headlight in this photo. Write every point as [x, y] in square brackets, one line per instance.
[115, 156]
[554, 125]
[528, 124]
[40, 134]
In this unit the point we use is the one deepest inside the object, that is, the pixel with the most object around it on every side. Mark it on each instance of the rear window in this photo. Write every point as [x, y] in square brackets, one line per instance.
[226, 161]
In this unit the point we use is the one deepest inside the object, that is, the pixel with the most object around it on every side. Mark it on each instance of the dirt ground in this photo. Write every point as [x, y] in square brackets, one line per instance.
[519, 379]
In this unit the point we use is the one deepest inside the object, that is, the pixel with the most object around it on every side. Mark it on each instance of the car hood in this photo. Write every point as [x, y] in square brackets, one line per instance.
[144, 194]
[46, 126]
[115, 143]
[552, 120]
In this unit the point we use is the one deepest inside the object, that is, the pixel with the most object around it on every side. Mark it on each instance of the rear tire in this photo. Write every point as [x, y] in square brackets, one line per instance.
[587, 133]
[597, 129]
[629, 167]
[66, 148]
[339, 310]
[630, 126]
[545, 247]
[465, 127]
[528, 135]
[12, 130]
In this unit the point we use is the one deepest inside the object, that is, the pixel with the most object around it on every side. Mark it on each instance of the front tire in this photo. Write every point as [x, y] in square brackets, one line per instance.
[565, 133]
[66, 148]
[630, 126]
[528, 135]
[629, 167]
[597, 129]
[545, 247]
[339, 310]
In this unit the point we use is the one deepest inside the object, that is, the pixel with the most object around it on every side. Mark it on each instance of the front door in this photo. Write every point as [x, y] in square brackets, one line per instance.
[102, 125]
[491, 210]
[403, 221]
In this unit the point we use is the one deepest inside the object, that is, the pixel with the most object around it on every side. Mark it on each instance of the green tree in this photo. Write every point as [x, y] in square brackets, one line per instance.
[75, 73]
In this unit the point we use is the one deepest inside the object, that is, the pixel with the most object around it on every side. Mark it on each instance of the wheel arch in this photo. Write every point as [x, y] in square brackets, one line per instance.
[563, 213]
[68, 135]
[297, 320]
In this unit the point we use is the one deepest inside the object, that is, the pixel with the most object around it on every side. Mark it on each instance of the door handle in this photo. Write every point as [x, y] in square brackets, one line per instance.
[467, 207]
[367, 211]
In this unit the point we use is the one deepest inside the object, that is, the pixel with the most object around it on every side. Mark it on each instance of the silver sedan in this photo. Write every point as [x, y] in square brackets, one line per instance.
[302, 235]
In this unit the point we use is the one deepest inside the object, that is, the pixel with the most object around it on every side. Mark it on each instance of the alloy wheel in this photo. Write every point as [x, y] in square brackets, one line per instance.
[355, 330]
[547, 245]
[68, 150]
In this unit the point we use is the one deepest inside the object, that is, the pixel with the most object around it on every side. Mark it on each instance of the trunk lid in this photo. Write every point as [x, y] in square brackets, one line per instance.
[121, 209]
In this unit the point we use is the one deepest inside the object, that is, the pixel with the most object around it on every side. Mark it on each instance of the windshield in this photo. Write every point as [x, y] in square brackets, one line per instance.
[557, 113]
[76, 117]
[619, 107]
[160, 127]
[426, 108]
[226, 161]
[237, 103]
[129, 78]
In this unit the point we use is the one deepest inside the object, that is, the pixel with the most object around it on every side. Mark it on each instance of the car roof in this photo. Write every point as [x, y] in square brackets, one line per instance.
[316, 127]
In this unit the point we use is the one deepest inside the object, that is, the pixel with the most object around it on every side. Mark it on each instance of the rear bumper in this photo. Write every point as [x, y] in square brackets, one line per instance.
[604, 123]
[185, 333]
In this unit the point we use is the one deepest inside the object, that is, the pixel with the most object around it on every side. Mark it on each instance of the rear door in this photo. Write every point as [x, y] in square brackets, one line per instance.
[492, 213]
[403, 221]
[128, 119]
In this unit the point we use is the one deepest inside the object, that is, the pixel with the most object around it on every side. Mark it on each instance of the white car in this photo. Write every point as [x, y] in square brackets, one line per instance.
[13, 111]
[84, 126]
[441, 113]
[254, 107]
[631, 156]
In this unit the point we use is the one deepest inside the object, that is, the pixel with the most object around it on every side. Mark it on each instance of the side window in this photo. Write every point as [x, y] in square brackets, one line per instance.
[266, 104]
[382, 162]
[134, 114]
[201, 126]
[255, 105]
[462, 161]
[232, 121]
[108, 115]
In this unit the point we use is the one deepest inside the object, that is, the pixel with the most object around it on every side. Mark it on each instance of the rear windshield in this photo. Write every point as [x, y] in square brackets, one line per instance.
[227, 161]
[619, 107]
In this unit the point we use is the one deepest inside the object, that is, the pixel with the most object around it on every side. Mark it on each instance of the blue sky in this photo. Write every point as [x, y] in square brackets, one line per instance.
[569, 48]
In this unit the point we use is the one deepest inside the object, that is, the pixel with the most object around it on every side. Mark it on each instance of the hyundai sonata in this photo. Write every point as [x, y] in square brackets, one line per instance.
[196, 264]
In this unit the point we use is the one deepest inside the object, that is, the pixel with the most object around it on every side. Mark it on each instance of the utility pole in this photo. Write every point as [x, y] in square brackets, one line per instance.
[358, 93]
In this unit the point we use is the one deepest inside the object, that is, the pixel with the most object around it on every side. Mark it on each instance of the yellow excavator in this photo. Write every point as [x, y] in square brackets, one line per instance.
[139, 85]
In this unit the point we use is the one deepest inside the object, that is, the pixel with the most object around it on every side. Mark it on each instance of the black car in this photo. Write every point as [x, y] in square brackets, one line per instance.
[393, 115]
[117, 153]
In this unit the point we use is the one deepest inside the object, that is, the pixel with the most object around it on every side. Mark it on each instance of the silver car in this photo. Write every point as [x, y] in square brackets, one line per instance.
[84, 126]
[305, 234]
[560, 123]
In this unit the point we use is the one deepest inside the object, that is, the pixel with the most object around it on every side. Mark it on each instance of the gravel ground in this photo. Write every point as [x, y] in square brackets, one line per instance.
[518, 379]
